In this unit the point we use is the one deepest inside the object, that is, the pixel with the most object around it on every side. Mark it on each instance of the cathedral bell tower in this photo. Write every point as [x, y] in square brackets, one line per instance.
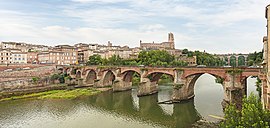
[171, 40]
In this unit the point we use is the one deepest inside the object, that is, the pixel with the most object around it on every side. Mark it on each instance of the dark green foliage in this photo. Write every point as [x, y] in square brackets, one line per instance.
[207, 59]
[233, 61]
[219, 80]
[35, 79]
[178, 63]
[255, 58]
[259, 86]
[136, 79]
[241, 61]
[59, 77]
[94, 60]
[155, 58]
[130, 62]
[115, 60]
[165, 79]
[252, 115]
[234, 71]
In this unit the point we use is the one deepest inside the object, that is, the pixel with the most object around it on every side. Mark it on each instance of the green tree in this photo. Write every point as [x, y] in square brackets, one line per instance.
[255, 58]
[94, 60]
[252, 115]
[233, 61]
[155, 58]
[241, 61]
[115, 60]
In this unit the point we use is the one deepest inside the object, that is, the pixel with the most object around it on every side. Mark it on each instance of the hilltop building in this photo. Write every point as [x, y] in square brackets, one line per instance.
[159, 46]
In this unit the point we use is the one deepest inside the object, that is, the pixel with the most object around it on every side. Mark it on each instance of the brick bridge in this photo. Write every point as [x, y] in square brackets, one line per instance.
[120, 78]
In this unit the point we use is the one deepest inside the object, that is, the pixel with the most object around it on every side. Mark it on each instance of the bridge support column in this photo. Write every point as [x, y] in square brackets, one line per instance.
[235, 89]
[146, 87]
[80, 82]
[120, 85]
[184, 90]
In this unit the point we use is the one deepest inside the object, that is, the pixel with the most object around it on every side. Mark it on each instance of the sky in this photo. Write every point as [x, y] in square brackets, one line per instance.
[216, 26]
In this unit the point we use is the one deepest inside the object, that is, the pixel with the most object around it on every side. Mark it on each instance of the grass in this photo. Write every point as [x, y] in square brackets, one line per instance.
[70, 94]
[57, 94]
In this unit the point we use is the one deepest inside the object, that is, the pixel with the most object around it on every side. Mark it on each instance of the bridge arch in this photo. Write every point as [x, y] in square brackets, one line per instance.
[108, 78]
[233, 61]
[192, 79]
[241, 60]
[73, 71]
[128, 75]
[90, 77]
[78, 74]
[67, 71]
[155, 76]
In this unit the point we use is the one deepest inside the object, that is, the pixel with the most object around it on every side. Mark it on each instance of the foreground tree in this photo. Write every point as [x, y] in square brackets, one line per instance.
[252, 115]
[94, 60]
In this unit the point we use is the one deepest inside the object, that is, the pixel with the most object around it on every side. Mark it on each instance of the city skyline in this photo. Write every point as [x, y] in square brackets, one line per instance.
[217, 26]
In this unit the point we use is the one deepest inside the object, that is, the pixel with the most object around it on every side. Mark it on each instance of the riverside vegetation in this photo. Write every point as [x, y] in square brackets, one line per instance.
[57, 94]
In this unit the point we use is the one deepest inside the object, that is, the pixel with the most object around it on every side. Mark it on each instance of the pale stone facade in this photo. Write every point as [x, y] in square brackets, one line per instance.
[192, 61]
[6, 55]
[19, 57]
[43, 57]
[265, 83]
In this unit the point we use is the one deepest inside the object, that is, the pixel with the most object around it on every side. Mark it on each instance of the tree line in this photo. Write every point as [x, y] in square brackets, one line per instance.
[204, 58]
[163, 58]
[146, 58]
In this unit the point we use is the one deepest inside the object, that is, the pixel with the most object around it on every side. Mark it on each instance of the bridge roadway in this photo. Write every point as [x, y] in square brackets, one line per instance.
[233, 80]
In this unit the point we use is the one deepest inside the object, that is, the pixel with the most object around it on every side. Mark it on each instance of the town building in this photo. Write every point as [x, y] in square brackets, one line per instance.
[19, 57]
[6, 55]
[159, 46]
[43, 57]
[266, 65]
[32, 57]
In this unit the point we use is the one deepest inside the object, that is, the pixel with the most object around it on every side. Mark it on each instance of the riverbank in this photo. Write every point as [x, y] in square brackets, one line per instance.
[59, 94]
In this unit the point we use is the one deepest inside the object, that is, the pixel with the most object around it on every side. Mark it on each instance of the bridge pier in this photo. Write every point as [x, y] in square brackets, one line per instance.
[235, 87]
[184, 90]
[146, 87]
[120, 85]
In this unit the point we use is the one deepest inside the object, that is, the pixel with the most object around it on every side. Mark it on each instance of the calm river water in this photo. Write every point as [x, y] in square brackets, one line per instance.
[119, 110]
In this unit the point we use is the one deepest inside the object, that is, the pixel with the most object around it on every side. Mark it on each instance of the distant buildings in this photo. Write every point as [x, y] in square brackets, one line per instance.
[160, 46]
[22, 53]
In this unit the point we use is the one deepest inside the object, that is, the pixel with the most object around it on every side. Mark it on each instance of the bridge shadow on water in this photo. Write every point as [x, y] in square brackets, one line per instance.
[146, 109]
[122, 104]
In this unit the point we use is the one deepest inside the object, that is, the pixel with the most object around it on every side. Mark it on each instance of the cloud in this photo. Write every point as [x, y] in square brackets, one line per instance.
[217, 26]
[100, 1]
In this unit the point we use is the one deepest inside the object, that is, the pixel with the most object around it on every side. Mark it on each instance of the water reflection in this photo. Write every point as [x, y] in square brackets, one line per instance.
[149, 110]
[104, 110]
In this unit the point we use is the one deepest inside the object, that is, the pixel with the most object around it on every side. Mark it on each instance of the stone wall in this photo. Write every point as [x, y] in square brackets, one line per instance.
[17, 85]
[26, 74]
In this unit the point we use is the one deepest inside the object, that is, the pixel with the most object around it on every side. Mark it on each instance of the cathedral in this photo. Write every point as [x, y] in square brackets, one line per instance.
[161, 46]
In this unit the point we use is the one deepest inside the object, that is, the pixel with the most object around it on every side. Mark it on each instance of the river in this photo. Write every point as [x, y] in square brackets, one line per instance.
[121, 109]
